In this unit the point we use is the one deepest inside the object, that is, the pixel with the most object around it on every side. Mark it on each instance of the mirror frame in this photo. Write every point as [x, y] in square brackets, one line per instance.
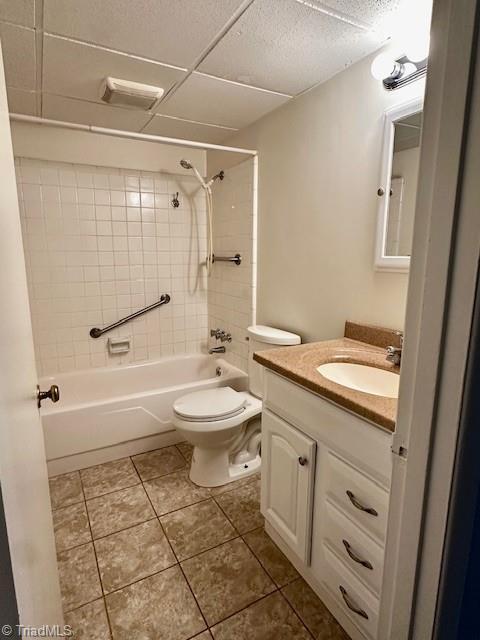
[384, 262]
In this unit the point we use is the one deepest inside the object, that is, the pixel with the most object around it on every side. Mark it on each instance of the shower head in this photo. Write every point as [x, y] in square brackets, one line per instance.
[185, 164]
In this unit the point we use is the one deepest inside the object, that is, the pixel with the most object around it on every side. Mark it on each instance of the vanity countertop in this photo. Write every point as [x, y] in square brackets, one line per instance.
[299, 363]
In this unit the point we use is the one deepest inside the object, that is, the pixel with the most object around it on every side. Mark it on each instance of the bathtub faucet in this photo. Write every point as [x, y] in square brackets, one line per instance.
[216, 350]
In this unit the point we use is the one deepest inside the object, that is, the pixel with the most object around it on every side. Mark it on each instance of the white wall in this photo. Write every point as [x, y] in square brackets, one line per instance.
[231, 288]
[319, 166]
[102, 242]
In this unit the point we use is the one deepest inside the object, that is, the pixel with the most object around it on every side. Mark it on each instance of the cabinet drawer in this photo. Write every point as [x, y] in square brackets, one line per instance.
[357, 550]
[354, 599]
[359, 496]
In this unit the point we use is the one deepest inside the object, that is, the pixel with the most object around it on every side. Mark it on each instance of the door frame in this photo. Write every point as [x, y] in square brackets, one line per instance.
[438, 327]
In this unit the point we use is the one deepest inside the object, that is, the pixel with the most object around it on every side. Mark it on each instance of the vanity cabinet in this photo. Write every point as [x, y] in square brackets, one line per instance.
[325, 494]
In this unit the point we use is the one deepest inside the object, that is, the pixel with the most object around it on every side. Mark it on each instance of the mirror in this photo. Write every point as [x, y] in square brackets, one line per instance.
[398, 186]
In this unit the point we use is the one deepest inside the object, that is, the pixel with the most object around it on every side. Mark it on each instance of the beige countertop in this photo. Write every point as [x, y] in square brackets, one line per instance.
[298, 363]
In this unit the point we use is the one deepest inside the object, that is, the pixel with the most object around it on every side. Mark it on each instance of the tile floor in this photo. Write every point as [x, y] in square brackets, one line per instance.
[144, 554]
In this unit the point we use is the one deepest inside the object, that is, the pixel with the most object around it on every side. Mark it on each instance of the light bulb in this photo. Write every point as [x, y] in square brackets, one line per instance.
[382, 66]
[417, 46]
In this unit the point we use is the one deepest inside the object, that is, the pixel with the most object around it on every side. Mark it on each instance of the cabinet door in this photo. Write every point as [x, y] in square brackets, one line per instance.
[288, 472]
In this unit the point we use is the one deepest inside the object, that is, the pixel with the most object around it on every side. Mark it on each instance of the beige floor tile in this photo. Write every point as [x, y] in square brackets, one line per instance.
[197, 528]
[108, 477]
[242, 506]
[158, 463]
[225, 488]
[79, 581]
[89, 622]
[65, 490]
[226, 579]
[267, 619]
[174, 491]
[119, 510]
[133, 554]
[313, 612]
[206, 635]
[186, 449]
[277, 565]
[160, 606]
[71, 527]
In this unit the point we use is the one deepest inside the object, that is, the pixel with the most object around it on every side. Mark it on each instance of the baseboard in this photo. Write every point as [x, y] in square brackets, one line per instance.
[106, 454]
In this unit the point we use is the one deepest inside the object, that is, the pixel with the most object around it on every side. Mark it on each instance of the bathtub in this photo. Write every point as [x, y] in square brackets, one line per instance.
[107, 413]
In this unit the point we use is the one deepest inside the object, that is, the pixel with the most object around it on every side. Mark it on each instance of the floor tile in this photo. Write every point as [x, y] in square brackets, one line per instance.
[65, 490]
[79, 581]
[267, 619]
[226, 579]
[206, 635]
[197, 528]
[158, 463]
[216, 491]
[89, 622]
[133, 554]
[160, 606]
[242, 506]
[119, 510]
[174, 491]
[186, 449]
[71, 527]
[313, 612]
[276, 564]
[108, 477]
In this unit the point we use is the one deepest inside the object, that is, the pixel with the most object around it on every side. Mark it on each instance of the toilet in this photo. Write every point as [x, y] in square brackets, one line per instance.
[224, 425]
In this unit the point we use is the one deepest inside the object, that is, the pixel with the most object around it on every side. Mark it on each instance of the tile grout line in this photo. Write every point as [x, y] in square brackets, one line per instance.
[96, 560]
[295, 611]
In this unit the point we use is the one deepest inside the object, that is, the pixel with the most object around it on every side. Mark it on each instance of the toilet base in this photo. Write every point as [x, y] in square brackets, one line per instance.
[213, 468]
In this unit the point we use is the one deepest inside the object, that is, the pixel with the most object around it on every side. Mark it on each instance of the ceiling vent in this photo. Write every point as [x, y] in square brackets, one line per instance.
[126, 93]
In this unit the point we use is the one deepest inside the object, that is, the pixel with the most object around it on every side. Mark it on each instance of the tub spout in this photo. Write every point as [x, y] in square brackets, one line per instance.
[216, 350]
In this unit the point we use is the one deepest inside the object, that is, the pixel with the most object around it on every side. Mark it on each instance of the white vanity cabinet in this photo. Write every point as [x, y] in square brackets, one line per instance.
[325, 495]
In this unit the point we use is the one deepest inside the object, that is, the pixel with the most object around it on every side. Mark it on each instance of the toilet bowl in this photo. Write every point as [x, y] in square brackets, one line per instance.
[224, 425]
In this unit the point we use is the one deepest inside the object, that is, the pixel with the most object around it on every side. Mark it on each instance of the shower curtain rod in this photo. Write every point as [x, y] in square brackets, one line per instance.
[17, 117]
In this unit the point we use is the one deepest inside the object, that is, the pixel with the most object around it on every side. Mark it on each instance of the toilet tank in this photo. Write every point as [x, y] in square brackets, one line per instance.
[260, 339]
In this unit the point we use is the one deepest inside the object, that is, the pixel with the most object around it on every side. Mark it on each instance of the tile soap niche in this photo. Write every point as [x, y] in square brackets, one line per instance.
[118, 345]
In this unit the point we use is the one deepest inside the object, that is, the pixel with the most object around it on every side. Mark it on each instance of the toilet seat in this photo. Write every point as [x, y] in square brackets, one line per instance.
[210, 405]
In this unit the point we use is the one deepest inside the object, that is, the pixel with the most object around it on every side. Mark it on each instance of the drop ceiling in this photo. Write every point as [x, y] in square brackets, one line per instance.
[223, 63]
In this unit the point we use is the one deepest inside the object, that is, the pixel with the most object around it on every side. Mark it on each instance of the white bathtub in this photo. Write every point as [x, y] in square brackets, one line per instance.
[106, 413]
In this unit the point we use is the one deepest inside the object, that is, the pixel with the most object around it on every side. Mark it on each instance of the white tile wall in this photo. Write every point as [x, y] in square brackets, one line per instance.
[231, 288]
[101, 243]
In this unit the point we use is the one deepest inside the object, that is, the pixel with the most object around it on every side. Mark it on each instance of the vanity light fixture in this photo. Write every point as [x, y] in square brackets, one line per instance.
[397, 72]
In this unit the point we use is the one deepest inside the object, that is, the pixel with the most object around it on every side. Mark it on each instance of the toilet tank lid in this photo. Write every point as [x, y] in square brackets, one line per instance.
[270, 335]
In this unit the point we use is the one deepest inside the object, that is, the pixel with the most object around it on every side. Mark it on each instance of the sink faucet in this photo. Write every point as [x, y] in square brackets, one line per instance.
[216, 350]
[394, 354]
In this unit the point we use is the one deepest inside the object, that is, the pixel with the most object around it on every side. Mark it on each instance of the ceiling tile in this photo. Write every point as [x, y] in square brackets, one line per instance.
[373, 12]
[287, 47]
[18, 46]
[18, 11]
[215, 101]
[20, 101]
[169, 31]
[176, 128]
[77, 70]
[99, 115]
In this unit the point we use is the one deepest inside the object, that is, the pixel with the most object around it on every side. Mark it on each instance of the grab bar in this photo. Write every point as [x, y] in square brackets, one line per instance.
[237, 258]
[96, 332]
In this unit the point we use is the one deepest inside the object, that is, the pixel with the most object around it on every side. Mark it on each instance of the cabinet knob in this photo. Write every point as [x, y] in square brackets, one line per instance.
[380, 191]
[302, 461]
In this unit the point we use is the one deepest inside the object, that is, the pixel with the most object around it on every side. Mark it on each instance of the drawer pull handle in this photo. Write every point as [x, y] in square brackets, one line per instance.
[353, 607]
[356, 503]
[354, 557]
[302, 461]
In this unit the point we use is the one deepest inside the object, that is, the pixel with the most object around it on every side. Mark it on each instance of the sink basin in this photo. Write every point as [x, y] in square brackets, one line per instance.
[362, 378]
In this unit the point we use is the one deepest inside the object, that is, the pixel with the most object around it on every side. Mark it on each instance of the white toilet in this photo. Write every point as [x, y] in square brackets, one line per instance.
[224, 425]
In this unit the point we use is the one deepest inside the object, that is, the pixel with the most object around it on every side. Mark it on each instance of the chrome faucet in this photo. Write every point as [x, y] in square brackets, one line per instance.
[216, 350]
[220, 334]
[394, 354]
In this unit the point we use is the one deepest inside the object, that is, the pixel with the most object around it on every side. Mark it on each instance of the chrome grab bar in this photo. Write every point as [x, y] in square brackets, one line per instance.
[96, 332]
[237, 258]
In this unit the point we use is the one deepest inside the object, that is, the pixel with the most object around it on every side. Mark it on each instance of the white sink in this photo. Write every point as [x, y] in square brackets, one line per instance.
[362, 378]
